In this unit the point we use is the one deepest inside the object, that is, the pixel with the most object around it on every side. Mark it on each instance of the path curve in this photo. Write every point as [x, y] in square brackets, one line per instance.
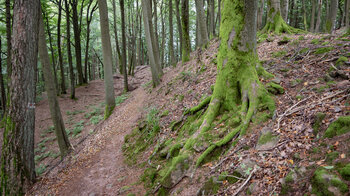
[107, 174]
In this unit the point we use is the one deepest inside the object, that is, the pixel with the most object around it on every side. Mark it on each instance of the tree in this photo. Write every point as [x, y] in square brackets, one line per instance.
[17, 160]
[211, 23]
[121, 2]
[171, 34]
[260, 14]
[150, 37]
[55, 111]
[118, 55]
[332, 16]
[2, 85]
[107, 58]
[203, 33]
[179, 26]
[313, 12]
[69, 53]
[60, 56]
[185, 20]
[8, 37]
[319, 14]
[347, 15]
[238, 91]
[275, 22]
[284, 9]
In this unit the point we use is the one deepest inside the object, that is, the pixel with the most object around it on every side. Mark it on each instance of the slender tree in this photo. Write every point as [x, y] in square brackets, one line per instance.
[347, 15]
[313, 12]
[171, 34]
[152, 54]
[107, 58]
[8, 37]
[121, 2]
[69, 53]
[202, 27]
[50, 87]
[2, 85]
[284, 9]
[211, 21]
[17, 159]
[179, 26]
[332, 16]
[119, 64]
[260, 14]
[185, 20]
[59, 48]
[319, 14]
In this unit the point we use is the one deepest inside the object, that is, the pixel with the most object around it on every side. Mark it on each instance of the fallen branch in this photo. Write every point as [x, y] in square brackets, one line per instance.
[245, 183]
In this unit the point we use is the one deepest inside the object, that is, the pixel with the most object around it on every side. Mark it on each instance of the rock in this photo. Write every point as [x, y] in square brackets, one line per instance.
[267, 140]
[339, 74]
[337, 109]
[276, 80]
[176, 172]
[326, 183]
[209, 188]
[345, 84]
[245, 167]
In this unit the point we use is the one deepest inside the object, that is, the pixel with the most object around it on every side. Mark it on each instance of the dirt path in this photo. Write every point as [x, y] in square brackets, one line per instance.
[106, 173]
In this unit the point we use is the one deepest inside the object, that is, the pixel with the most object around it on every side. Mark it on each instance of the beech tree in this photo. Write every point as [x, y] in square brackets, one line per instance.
[17, 159]
[56, 116]
[203, 33]
[107, 58]
[237, 91]
[332, 16]
[186, 42]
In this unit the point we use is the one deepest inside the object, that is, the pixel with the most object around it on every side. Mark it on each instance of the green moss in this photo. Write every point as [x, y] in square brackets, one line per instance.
[149, 177]
[341, 60]
[265, 138]
[323, 50]
[323, 179]
[210, 187]
[315, 41]
[108, 111]
[330, 157]
[165, 113]
[318, 122]
[338, 127]
[345, 172]
[278, 54]
[274, 88]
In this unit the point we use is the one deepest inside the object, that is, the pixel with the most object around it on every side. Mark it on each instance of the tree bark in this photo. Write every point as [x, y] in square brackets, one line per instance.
[330, 23]
[202, 27]
[304, 15]
[107, 57]
[17, 160]
[313, 13]
[284, 9]
[60, 57]
[211, 22]
[124, 46]
[8, 38]
[319, 14]
[275, 22]
[118, 56]
[77, 41]
[171, 34]
[185, 19]
[2, 85]
[179, 26]
[347, 15]
[147, 20]
[260, 14]
[69, 53]
[56, 116]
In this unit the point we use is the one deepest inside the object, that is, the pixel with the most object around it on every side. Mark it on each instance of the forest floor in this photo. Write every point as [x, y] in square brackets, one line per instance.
[315, 84]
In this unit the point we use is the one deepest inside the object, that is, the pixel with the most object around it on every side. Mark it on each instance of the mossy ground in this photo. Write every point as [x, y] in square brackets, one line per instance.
[338, 127]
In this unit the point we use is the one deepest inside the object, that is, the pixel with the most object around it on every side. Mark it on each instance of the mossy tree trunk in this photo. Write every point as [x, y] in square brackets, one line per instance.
[275, 22]
[332, 16]
[107, 58]
[237, 91]
[172, 60]
[202, 27]
[55, 111]
[185, 20]
[17, 159]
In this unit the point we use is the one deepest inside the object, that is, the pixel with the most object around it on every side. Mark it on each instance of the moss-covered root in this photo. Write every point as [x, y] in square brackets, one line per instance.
[108, 111]
[338, 127]
[200, 106]
[278, 26]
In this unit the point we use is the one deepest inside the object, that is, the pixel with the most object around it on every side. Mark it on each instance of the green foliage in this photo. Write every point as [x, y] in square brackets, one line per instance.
[345, 172]
[318, 122]
[75, 112]
[120, 99]
[341, 60]
[40, 170]
[279, 54]
[315, 41]
[323, 50]
[96, 119]
[338, 127]
[78, 127]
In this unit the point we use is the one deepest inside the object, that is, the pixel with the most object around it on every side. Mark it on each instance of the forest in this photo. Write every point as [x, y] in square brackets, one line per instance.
[175, 97]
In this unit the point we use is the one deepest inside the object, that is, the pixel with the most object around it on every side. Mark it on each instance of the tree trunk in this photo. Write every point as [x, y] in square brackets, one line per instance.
[330, 23]
[284, 9]
[107, 57]
[55, 111]
[275, 22]
[162, 16]
[211, 10]
[179, 26]
[118, 56]
[8, 38]
[218, 17]
[123, 46]
[319, 14]
[202, 27]
[77, 41]
[147, 20]
[60, 57]
[2, 85]
[260, 14]
[185, 19]
[313, 13]
[237, 90]
[171, 35]
[17, 160]
[69, 53]
[347, 15]
[304, 15]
